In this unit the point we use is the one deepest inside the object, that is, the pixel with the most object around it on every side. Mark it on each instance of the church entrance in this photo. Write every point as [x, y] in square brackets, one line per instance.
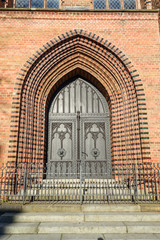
[79, 130]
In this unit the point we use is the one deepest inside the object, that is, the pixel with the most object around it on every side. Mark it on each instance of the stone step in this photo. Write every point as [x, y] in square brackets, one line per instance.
[102, 227]
[78, 208]
[78, 228]
[87, 227]
[80, 217]
[18, 228]
[41, 217]
[143, 227]
[111, 236]
[122, 217]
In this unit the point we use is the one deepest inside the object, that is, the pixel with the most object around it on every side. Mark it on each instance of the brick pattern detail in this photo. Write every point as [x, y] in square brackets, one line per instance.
[103, 64]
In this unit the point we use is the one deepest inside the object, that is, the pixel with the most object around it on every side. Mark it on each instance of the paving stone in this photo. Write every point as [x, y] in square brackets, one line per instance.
[18, 228]
[111, 208]
[4, 237]
[128, 236]
[157, 235]
[122, 216]
[143, 227]
[82, 236]
[75, 208]
[107, 227]
[36, 237]
[42, 217]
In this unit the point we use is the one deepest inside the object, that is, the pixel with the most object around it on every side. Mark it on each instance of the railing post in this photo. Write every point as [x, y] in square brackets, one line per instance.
[158, 182]
[155, 185]
[136, 185]
[81, 192]
[24, 183]
[1, 186]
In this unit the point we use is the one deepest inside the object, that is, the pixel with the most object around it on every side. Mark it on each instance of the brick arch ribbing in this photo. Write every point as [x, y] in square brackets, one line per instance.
[79, 53]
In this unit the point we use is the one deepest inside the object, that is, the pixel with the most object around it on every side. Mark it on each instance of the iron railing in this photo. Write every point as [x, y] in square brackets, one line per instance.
[56, 183]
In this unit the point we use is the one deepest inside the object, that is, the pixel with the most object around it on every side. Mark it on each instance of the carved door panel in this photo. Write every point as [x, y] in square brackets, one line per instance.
[61, 146]
[95, 145]
[94, 141]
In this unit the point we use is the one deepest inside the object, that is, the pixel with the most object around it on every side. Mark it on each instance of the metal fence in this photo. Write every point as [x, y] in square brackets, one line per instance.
[50, 183]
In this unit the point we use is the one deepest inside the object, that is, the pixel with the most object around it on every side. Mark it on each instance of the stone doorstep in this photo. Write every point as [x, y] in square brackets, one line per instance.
[80, 217]
[80, 208]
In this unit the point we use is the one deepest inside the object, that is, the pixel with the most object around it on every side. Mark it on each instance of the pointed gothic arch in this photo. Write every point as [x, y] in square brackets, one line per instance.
[78, 53]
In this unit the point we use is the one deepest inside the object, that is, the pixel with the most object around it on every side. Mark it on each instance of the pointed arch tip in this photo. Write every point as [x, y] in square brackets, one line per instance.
[91, 37]
[105, 44]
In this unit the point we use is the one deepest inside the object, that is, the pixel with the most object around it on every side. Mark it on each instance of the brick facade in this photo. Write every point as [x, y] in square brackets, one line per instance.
[119, 52]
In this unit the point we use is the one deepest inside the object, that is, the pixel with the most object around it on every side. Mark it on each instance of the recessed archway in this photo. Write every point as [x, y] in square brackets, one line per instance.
[101, 63]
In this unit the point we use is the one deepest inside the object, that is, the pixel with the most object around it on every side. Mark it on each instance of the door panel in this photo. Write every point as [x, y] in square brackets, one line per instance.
[62, 148]
[94, 143]
[61, 145]
[94, 140]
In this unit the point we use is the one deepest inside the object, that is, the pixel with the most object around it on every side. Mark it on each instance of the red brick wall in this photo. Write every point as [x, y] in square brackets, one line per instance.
[136, 34]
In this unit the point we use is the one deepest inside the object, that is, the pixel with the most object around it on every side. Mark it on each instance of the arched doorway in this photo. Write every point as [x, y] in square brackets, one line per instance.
[79, 54]
[82, 54]
[79, 129]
